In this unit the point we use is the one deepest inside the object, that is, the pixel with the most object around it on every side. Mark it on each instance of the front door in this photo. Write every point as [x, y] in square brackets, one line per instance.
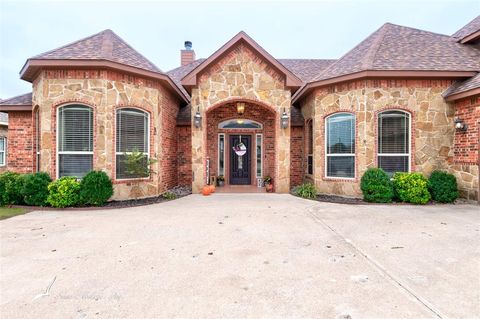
[240, 159]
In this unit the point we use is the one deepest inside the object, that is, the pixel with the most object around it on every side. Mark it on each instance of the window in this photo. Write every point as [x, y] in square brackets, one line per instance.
[310, 147]
[340, 145]
[3, 151]
[132, 135]
[240, 123]
[221, 154]
[394, 141]
[37, 139]
[259, 155]
[75, 140]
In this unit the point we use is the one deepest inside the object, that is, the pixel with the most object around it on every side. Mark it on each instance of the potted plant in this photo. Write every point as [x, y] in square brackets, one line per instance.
[268, 182]
[220, 180]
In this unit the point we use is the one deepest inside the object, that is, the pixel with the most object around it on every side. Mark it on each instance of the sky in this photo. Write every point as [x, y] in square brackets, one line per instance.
[158, 29]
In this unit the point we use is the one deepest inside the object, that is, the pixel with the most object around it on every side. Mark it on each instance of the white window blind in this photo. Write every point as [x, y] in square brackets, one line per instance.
[3, 151]
[394, 141]
[75, 140]
[340, 146]
[310, 148]
[132, 135]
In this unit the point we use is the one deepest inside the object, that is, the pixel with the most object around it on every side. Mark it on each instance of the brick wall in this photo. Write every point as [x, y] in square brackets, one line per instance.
[297, 171]
[168, 114]
[252, 112]
[466, 142]
[184, 155]
[20, 138]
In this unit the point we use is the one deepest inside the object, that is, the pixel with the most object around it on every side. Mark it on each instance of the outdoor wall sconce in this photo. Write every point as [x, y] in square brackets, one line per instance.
[460, 125]
[240, 108]
[284, 120]
[197, 119]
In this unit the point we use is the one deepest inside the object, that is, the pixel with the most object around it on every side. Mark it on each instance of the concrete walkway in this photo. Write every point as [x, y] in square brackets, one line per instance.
[243, 256]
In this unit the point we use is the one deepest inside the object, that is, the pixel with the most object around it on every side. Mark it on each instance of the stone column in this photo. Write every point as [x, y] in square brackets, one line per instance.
[282, 157]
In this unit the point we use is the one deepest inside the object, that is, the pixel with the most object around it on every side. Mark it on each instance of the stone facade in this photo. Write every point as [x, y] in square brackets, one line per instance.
[432, 127]
[241, 75]
[105, 92]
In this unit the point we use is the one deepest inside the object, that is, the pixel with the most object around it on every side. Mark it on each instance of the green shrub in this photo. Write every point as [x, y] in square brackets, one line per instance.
[306, 190]
[443, 187]
[411, 188]
[169, 195]
[35, 189]
[10, 188]
[376, 186]
[96, 188]
[64, 192]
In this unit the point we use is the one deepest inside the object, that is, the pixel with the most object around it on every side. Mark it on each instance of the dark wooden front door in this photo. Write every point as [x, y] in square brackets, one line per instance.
[240, 165]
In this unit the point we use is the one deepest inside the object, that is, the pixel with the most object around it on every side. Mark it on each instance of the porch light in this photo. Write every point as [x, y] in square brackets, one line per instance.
[284, 120]
[240, 108]
[460, 124]
[197, 119]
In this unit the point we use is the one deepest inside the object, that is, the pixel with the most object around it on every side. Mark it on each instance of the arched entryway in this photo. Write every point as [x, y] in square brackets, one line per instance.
[241, 142]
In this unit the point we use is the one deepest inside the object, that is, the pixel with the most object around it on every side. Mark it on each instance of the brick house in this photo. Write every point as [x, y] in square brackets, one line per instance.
[403, 99]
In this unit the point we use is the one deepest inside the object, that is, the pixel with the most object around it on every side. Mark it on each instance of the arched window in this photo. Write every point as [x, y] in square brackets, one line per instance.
[394, 141]
[240, 123]
[132, 135]
[75, 140]
[340, 145]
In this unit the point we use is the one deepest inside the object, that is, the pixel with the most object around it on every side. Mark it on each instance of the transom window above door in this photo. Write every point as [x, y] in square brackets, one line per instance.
[240, 124]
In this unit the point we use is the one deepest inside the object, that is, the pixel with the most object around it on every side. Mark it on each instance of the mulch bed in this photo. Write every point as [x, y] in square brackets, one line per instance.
[179, 192]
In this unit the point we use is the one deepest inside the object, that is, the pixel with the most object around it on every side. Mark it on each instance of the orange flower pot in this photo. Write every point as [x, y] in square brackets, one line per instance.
[206, 190]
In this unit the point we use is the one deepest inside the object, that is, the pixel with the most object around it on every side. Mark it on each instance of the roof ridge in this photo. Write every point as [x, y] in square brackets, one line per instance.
[367, 61]
[128, 45]
[71, 43]
[412, 28]
[346, 54]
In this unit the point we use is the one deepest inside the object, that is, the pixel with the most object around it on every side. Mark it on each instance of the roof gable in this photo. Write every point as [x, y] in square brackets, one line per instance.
[291, 80]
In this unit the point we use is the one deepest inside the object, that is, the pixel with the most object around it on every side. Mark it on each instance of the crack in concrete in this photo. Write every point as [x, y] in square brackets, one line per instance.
[376, 265]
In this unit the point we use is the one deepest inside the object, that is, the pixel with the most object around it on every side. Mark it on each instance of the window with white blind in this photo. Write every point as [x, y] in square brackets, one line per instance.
[74, 140]
[340, 145]
[259, 154]
[3, 151]
[394, 141]
[132, 135]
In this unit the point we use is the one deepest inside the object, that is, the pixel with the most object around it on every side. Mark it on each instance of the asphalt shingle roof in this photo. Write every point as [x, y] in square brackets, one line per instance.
[460, 87]
[24, 99]
[105, 45]
[398, 48]
[471, 27]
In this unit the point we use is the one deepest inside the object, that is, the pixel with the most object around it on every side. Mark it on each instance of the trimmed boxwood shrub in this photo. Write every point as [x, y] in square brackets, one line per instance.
[64, 192]
[306, 190]
[10, 188]
[96, 188]
[376, 186]
[411, 188]
[35, 189]
[443, 187]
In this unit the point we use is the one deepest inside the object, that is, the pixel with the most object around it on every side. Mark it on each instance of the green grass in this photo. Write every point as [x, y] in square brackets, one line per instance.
[10, 212]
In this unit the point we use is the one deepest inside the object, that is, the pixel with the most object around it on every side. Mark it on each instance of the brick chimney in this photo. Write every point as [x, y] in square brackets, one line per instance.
[188, 55]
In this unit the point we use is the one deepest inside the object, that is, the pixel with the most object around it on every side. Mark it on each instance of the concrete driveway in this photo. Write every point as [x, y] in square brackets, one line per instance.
[243, 256]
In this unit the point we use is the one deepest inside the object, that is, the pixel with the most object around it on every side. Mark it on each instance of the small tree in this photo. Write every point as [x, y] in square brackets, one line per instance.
[137, 166]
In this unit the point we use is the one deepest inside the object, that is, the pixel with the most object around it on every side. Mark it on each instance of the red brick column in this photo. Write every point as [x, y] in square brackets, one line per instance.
[20, 142]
